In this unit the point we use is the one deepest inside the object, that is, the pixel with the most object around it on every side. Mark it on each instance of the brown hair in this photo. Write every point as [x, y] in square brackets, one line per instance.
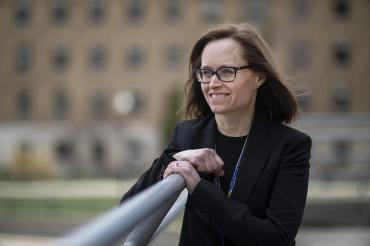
[274, 94]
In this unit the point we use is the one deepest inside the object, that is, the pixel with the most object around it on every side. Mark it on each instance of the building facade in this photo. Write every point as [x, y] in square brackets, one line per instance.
[85, 84]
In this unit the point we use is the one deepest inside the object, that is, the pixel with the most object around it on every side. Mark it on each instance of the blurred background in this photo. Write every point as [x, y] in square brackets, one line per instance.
[90, 91]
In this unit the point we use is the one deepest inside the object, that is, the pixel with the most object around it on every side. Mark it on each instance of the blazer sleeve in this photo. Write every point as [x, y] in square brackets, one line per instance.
[155, 172]
[284, 211]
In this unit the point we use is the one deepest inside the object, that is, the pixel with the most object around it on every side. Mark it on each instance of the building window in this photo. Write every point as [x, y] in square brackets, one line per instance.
[99, 104]
[301, 54]
[341, 53]
[97, 58]
[136, 149]
[173, 55]
[173, 11]
[98, 152]
[61, 105]
[97, 11]
[341, 8]
[23, 58]
[341, 151]
[304, 102]
[341, 96]
[59, 11]
[301, 9]
[60, 58]
[64, 150]
[255, 11]
[22, 12]
[135, 57]
[210, 10]
[135, 10]
[24, 104]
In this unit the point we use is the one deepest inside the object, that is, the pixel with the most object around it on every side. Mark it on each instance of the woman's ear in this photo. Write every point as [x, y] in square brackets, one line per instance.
[260, 80]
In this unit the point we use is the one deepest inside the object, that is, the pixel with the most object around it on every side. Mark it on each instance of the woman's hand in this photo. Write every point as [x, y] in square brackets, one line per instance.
[186, 170]
[204, 160]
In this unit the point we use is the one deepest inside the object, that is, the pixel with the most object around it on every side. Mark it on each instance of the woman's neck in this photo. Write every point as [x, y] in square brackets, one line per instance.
[234, 125]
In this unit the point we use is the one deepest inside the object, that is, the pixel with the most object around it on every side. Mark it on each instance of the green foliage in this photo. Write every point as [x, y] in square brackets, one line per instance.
[27, 165]
[172, 112]
[55, 206]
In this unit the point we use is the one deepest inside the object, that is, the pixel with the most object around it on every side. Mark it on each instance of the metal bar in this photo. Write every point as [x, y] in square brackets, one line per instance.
[173, 213]
[143, 232]
[108, 228]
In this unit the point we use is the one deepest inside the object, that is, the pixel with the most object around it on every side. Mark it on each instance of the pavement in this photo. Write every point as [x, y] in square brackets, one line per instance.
[337, 201]
[80, 188]
[111, 188]
[23, 240]
[342, 236]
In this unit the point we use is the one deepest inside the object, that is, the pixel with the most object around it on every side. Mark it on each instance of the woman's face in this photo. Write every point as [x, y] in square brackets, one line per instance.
[230, 98]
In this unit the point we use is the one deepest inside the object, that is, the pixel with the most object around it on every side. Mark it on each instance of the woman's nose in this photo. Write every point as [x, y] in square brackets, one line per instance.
[215, 81]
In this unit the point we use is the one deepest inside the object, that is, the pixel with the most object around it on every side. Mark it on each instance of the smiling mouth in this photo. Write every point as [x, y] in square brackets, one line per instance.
[217, 95]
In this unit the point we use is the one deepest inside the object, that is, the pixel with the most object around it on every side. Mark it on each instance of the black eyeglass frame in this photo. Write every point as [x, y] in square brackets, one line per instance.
[218, 69]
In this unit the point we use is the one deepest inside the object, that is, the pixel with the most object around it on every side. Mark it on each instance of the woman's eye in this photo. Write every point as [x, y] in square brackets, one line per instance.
[206, 74]
[227, 72]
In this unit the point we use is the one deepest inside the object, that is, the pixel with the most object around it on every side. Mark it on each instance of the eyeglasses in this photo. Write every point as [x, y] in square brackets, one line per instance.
[224, 74]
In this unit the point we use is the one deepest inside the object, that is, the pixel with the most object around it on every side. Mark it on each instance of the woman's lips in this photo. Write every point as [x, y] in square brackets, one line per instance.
[217, 98]
[217, 95]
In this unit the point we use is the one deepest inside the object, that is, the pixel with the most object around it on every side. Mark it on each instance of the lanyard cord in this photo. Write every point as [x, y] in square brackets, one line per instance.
[233, 181]
[235, 173]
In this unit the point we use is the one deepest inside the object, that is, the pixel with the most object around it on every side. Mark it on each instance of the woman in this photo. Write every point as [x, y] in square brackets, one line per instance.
[245, 171]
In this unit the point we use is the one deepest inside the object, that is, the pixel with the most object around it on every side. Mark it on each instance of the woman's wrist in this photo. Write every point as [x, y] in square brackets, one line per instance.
[191, 187]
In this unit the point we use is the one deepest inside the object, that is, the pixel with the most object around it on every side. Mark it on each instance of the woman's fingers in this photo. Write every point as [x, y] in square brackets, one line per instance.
[174, 167]
[203, 160]
[219, 172]
[170, 168]
[218, 159]
[212, 161]
[186, 170]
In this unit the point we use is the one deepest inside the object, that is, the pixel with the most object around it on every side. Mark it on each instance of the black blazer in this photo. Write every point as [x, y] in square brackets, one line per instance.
[269, 197]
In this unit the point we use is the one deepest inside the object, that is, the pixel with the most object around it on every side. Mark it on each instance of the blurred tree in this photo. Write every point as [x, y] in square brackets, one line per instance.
[27, 165]
[172, 112]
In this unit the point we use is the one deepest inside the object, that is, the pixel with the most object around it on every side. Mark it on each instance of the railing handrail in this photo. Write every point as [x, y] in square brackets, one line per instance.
[149, 229]
[176, 208]
[113, 225]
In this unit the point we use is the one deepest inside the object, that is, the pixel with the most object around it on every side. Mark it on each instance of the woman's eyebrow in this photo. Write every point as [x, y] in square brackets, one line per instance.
[222, 66]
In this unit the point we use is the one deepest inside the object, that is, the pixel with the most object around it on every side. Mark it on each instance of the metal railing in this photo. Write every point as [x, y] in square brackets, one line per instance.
[143, 233]
[141, 215]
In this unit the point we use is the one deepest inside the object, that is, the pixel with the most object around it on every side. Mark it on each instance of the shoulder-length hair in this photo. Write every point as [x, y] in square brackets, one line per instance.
[275, 94]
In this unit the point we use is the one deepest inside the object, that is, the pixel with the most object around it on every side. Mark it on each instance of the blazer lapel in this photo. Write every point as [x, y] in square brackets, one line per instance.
[206, 136]
[254, 158]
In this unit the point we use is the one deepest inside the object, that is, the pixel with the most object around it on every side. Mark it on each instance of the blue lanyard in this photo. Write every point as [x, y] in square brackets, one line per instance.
[233, 181]
[235, 173]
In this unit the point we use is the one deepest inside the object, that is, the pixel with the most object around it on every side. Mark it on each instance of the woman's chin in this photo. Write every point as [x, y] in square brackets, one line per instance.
[218, 110]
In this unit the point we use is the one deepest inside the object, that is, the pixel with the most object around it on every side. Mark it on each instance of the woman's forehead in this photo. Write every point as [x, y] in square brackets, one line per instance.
[221, 52]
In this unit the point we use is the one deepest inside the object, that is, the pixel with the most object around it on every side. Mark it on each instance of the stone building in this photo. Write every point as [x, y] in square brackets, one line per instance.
[84, 85]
